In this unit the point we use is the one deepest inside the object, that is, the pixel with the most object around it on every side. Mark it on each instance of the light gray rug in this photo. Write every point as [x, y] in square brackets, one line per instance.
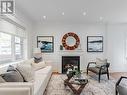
[105, 87]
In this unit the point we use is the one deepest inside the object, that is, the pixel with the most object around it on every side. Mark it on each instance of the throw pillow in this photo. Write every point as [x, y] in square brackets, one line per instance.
[1, 80]
[37, 60]
[11, 68]
[100, 62]
[30, 61]
[37, 57]
[27, 71]
[40, 65]
[12, 76]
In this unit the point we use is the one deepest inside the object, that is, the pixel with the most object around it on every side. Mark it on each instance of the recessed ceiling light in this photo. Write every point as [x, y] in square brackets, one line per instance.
[44, 17]
[84, 13]
[101, 18]
[62, 13]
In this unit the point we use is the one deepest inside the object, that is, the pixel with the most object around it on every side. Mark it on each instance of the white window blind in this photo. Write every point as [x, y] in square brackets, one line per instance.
[10, 28]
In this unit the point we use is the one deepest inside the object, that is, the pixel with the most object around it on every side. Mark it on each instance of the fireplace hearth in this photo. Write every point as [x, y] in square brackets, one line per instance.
[69, 61]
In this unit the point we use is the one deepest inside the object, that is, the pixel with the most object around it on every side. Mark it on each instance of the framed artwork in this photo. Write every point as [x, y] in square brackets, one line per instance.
[45, 43]
[94, 43]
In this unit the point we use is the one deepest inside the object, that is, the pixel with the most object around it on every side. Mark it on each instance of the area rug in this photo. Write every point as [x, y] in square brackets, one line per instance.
[105, 87]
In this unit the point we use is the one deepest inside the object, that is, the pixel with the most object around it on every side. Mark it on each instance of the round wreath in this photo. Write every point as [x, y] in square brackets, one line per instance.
[67, 47]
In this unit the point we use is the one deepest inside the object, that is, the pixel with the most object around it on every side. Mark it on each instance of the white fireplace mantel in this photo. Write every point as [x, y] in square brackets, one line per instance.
[71, 52]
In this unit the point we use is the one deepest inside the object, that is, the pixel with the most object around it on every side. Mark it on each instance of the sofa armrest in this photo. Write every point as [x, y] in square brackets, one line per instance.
[48, 63]
[16, 88]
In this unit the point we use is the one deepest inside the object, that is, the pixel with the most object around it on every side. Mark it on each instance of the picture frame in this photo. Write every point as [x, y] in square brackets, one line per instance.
[94, 43]
[45, 43]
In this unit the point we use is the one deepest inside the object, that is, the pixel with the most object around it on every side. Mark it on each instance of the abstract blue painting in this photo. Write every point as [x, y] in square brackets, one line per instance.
[45, 43]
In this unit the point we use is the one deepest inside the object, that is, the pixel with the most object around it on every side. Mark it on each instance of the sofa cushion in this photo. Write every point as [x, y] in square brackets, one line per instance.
[12, 76]
[46, 70]
[96, 70]
[27, 71]
[42, 77]
[40, 65]
[100, 62]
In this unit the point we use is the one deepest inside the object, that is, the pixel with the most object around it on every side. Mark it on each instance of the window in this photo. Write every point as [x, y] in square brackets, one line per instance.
[11, 48]
[5, 47]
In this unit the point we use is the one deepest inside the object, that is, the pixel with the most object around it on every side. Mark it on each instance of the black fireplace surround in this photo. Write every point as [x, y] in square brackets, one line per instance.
[70, 60]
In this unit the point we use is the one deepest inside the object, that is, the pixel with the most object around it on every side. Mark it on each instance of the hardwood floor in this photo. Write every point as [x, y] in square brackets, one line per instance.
[117, 75]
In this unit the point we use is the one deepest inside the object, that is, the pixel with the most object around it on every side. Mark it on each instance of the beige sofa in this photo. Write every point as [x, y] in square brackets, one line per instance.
[36, 87]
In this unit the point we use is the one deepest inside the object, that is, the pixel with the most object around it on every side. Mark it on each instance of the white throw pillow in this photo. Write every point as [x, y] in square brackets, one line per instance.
[100, 62]
[30, 61]
[40, 65]
[27, 71]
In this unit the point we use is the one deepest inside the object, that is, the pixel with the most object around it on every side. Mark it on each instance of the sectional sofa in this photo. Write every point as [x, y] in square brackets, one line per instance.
[36, 87]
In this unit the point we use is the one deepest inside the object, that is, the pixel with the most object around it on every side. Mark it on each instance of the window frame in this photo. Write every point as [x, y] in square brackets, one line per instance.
[21, 47]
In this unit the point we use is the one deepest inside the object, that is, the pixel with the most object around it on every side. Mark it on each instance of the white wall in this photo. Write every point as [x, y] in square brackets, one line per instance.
[116, 47]
[58, 30]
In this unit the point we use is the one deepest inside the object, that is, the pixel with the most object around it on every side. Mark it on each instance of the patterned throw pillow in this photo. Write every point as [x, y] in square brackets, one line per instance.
[37, 60]
[37, 57]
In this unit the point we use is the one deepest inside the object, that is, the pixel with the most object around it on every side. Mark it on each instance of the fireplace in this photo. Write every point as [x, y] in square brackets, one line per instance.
[70, 60]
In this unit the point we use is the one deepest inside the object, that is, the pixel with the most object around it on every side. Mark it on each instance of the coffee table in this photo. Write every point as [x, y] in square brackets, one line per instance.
[76, 81]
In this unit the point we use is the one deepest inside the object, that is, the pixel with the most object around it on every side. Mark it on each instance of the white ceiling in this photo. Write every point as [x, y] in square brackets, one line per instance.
[112, 11]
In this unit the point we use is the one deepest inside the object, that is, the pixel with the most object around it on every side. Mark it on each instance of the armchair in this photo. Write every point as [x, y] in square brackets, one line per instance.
[120, 90]
[103, 69]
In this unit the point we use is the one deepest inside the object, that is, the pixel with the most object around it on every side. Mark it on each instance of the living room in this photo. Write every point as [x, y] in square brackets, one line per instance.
[58, 34]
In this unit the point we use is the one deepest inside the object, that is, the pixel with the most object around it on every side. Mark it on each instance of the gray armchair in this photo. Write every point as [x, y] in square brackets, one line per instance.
[121, 90]
[103, 69]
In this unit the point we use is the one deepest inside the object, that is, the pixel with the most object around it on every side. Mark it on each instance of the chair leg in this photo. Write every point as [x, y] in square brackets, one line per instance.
[116, 92]
[99, 78]
[87, 71]
[108, 75]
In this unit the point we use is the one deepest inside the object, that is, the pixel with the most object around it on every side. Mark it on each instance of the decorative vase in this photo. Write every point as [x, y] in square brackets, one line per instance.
[61, 47]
